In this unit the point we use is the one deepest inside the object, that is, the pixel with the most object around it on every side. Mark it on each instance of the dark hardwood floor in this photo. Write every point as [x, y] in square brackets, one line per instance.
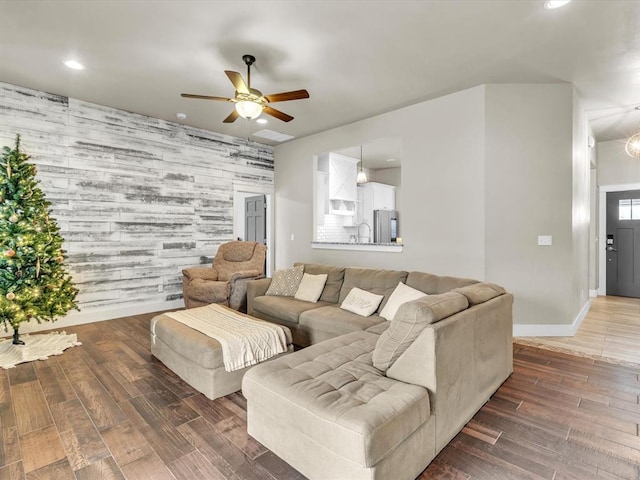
[108, 410]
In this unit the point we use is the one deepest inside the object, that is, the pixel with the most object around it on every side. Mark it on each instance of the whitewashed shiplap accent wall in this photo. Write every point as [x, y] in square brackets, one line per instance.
[137, 198]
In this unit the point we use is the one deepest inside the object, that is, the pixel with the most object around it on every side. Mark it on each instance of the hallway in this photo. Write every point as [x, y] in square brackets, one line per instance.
[610, 330]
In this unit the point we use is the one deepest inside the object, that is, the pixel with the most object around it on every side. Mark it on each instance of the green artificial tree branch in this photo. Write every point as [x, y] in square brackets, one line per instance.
[34, 282]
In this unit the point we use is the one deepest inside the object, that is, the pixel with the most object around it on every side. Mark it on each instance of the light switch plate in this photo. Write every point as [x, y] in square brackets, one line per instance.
[545, 240]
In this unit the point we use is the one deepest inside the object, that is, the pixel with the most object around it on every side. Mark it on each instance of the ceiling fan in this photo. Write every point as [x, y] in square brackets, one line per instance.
[249, 102]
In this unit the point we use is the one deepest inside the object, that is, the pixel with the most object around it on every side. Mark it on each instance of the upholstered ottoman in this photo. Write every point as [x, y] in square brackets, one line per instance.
[196, 357]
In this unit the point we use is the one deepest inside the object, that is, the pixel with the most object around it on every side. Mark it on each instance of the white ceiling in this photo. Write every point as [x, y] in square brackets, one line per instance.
[356, 58]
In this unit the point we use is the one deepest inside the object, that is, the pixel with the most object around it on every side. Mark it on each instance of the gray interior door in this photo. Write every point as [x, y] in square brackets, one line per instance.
[255, 219]
[623, 243]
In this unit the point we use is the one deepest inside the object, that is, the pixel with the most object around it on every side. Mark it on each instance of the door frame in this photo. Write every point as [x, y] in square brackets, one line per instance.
[242, 190]
[602, 230]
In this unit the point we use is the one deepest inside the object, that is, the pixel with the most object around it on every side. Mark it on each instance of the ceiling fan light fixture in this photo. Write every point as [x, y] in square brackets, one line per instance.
[633, 146]
[248, 109]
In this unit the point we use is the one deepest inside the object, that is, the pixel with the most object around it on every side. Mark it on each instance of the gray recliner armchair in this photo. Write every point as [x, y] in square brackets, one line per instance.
[225, 282]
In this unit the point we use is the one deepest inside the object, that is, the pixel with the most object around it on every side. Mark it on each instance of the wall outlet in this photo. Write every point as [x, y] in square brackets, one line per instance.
[293, 237]
[545, 240]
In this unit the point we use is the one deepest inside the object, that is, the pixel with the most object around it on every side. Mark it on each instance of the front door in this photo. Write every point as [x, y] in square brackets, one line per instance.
[623, 243]
[255, 220]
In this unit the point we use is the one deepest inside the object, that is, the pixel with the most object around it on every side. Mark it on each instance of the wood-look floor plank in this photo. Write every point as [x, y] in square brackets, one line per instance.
[482, 432]
[163, 437]
[443, 471]
[212, 411]
[82, 443]
[194, 465]
[54, 383]
[13, 471]
[278, 468]
[126, 443]
[117, 412]
[22, 373]
[149, 467]
[60, 470]
[610, 329]
[218, 451]
[235, 430]
[41, 448]
[104, 469]
[9, 441]
[30, 406]
[120, 389]
[513, 462]
[102, 408]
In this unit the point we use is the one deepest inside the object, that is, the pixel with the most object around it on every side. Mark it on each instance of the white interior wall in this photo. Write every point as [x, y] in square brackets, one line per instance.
[442, 210]
[529, 193]
[480, 181]
[581, 213]
[615, 167]
[137, 199]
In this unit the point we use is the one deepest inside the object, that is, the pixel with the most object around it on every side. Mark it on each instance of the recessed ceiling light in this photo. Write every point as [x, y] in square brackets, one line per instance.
[181, 115]
[391, 160]
[551, 4]
[74, 64]
[261, 121]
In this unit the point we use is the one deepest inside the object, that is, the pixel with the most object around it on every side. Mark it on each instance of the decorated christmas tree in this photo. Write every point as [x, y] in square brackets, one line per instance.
[34, 283]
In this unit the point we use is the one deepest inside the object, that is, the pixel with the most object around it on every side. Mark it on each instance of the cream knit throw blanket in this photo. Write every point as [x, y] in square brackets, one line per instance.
[36, 347]
[245, 341]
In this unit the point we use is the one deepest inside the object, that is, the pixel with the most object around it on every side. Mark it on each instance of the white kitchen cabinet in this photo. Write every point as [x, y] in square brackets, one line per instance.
[343, 171]
[374, 196]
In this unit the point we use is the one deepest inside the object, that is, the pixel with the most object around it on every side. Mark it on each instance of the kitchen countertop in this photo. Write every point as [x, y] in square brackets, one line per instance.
[363, 247]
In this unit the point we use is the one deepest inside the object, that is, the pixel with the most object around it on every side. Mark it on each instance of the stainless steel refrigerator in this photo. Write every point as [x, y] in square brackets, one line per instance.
[385, 226]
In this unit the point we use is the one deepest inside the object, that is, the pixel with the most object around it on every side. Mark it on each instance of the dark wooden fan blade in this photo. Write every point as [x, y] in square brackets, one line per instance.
[237, 81]
[277, 113]
[205, 97]
[232, 117]
[284, 96]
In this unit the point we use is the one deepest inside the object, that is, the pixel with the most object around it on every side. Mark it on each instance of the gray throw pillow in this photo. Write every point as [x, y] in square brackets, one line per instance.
[409, 322]
[285, 282]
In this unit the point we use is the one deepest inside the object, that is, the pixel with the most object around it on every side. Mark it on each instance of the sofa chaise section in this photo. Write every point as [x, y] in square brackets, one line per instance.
[330, 413]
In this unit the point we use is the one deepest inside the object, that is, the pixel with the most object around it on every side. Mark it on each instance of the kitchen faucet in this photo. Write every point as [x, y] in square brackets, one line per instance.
[360, 238]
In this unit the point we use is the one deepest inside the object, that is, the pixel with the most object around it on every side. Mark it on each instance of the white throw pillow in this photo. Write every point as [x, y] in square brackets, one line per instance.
[361, 302]
[402, 294]
[311, 287]
[285, 282]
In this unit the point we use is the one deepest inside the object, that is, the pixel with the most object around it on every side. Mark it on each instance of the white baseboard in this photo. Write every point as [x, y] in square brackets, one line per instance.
[95, 315]
[593, 293]
[552, 330]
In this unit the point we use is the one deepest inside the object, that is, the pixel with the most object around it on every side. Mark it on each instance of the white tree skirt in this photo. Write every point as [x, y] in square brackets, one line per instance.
[36, 347]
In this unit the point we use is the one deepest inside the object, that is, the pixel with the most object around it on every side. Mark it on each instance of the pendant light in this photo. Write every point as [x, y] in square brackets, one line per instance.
[632, 146]
[362, 177]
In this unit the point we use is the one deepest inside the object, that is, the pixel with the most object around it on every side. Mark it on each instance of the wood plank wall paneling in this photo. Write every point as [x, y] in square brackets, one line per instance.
[137, 198]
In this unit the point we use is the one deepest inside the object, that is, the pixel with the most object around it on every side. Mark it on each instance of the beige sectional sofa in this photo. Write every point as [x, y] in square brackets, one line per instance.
[372, 398]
